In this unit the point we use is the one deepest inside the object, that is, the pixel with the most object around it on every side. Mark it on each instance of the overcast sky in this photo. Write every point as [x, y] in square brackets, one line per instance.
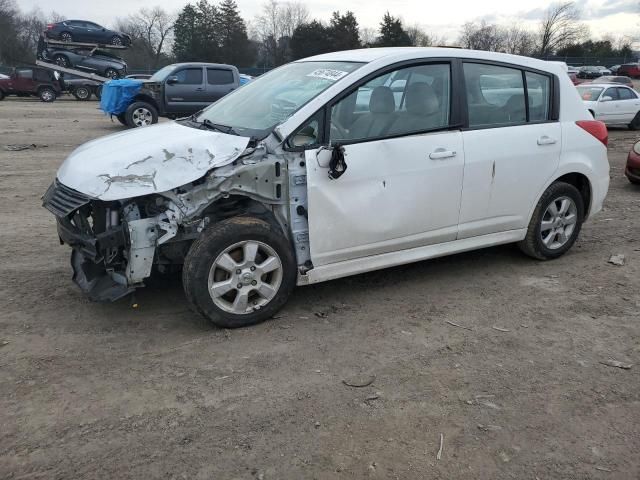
[440, 17]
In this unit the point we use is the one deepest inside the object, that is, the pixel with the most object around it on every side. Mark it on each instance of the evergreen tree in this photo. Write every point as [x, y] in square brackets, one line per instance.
[309, 39]
[235, 48]
[343, 32]
[185, 34]
[392, 34]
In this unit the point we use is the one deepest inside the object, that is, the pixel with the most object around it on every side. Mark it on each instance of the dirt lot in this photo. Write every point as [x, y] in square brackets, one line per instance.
[108, 391]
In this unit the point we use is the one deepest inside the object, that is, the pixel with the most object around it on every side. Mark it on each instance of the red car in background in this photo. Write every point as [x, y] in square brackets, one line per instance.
[632, 171]
[31, 81]
[629, 70]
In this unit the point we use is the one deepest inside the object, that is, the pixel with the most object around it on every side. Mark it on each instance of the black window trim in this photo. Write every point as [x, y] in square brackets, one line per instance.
[202, 82]
[554, 97]
[233, 77]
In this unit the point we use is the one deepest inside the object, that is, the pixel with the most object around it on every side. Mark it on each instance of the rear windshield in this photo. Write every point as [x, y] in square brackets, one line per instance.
[590, 94]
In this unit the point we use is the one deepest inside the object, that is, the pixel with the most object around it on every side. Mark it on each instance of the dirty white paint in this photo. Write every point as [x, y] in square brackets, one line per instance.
[147, 160]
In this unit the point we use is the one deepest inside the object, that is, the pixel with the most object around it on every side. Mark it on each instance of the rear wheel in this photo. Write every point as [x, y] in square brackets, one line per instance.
[239, 272]
[66, 37]
[98, 92]
[140, 114]
[635, 123]
[82, 93]
[47, 94]
[1, 95]
[555, 224]
[116, 40]
[61, 61]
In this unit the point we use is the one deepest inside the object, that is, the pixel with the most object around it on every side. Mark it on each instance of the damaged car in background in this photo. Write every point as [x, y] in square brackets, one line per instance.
[331, 166]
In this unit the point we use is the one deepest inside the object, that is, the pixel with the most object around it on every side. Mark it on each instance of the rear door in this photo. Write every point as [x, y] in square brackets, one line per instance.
[220, 81]
[629, 103]
[511, 145]
[78, 31]
[23, 81]
[189, 94]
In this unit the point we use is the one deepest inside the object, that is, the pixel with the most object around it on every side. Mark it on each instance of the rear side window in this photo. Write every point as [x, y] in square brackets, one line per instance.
[539, 93]
[218, 76]
[495, 95]
[626, 94]
[25, 73]
[190, 76]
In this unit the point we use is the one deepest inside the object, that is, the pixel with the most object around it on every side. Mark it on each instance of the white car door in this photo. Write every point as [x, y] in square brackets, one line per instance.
[405, 162]
[629, 103]
[511, 150]
[609, 107]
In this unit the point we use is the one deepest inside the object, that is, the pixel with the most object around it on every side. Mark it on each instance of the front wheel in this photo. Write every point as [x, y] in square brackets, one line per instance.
[140, 114]
[239, 272]
[116, 40]
[555, 224]
[111, 73]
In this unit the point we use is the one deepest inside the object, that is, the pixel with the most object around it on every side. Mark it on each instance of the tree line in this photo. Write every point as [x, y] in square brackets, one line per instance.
[284, 31]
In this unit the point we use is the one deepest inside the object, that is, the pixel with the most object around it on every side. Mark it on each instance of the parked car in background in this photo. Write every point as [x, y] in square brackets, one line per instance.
[86, 32]
[139, 76]
[31, 81]
[615, 79]
[613, 105]
[629, 70]
[604, 70]
[632, 170]
[2, 75]
[80, 88]
[91, 60]
[614, 69]
[286, 181]
[572, 69]
[574, 78]
[589, 72]
[244, 79]
[175, 91]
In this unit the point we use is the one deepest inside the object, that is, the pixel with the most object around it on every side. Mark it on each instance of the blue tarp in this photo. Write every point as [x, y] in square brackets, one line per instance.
[117, 95]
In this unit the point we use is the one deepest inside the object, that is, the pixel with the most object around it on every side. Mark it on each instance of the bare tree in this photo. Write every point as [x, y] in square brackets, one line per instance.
[419, 38]
[275, 26]
[519, 41]
[560, 27]
[368, 36]
[482, 36]
[150, 29]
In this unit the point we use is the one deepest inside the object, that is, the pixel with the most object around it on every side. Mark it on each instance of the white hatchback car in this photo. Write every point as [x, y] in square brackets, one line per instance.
[612, 104]
[331, 166]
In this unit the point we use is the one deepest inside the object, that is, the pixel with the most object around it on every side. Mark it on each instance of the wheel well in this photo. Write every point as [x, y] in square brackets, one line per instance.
[147, 99]
[581, 182]
[592, 113]
[239, 206]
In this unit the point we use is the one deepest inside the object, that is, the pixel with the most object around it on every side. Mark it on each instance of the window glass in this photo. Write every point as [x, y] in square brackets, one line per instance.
[495, 95]
[538, 90]
[589, 94]
[218, 76]
[190, 76]
[611, 92]
[25, 73]
[404, 101]
[308, 134]
[626, 94]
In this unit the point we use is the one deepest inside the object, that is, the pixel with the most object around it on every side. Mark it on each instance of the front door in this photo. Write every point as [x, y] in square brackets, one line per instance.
[188, 95]
[405, 163]
[511, 150]
[609, 106]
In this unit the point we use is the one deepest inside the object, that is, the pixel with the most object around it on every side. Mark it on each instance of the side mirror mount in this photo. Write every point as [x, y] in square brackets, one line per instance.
[606, 98]
[172, 80]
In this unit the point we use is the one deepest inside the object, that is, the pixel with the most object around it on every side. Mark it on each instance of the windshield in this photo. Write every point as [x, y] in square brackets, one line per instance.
[256, 108]
[163, 73]
[589, 94]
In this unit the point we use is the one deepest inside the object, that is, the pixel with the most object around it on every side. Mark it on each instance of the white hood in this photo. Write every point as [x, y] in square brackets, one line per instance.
[147, 160]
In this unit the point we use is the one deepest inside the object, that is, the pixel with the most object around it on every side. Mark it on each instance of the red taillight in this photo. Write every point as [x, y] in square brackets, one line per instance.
[595, 128]
[50, 26]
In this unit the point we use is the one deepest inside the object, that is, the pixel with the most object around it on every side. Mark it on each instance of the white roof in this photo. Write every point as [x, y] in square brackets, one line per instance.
[603, 85]
[398, 54]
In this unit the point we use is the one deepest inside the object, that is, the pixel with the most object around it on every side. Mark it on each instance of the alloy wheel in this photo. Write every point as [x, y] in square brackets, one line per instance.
[142, 117]
[245, 277]
[558, 222]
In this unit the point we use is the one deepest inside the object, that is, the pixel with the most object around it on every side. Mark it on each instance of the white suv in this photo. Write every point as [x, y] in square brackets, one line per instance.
[331, 166]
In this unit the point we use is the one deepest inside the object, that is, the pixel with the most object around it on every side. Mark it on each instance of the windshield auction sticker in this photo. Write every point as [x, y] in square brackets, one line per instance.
[328, 74]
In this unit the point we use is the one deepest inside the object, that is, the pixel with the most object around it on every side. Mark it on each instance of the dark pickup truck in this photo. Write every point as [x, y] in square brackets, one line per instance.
[177, 90]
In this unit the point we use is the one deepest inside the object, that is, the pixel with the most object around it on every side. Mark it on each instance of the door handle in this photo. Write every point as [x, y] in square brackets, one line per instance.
[199, 89]
[545, 140]
[441, 153]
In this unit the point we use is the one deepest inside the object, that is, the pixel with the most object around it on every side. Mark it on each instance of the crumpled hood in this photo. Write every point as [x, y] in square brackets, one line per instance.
[147, 160]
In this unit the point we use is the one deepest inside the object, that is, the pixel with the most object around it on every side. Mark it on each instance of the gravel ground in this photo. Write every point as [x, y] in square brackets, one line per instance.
[107, 391]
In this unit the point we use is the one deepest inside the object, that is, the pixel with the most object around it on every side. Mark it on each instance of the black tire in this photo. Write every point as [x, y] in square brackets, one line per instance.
[116, 40]
[111, 73]
[633, 181]
[213, 242]
[1, 95]
[98, 92]
[82, 93]
[122, 119]
[533, 244]
[61, 61]
[635, 123]
[47, 94]
[137, 110]
[66, 37]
